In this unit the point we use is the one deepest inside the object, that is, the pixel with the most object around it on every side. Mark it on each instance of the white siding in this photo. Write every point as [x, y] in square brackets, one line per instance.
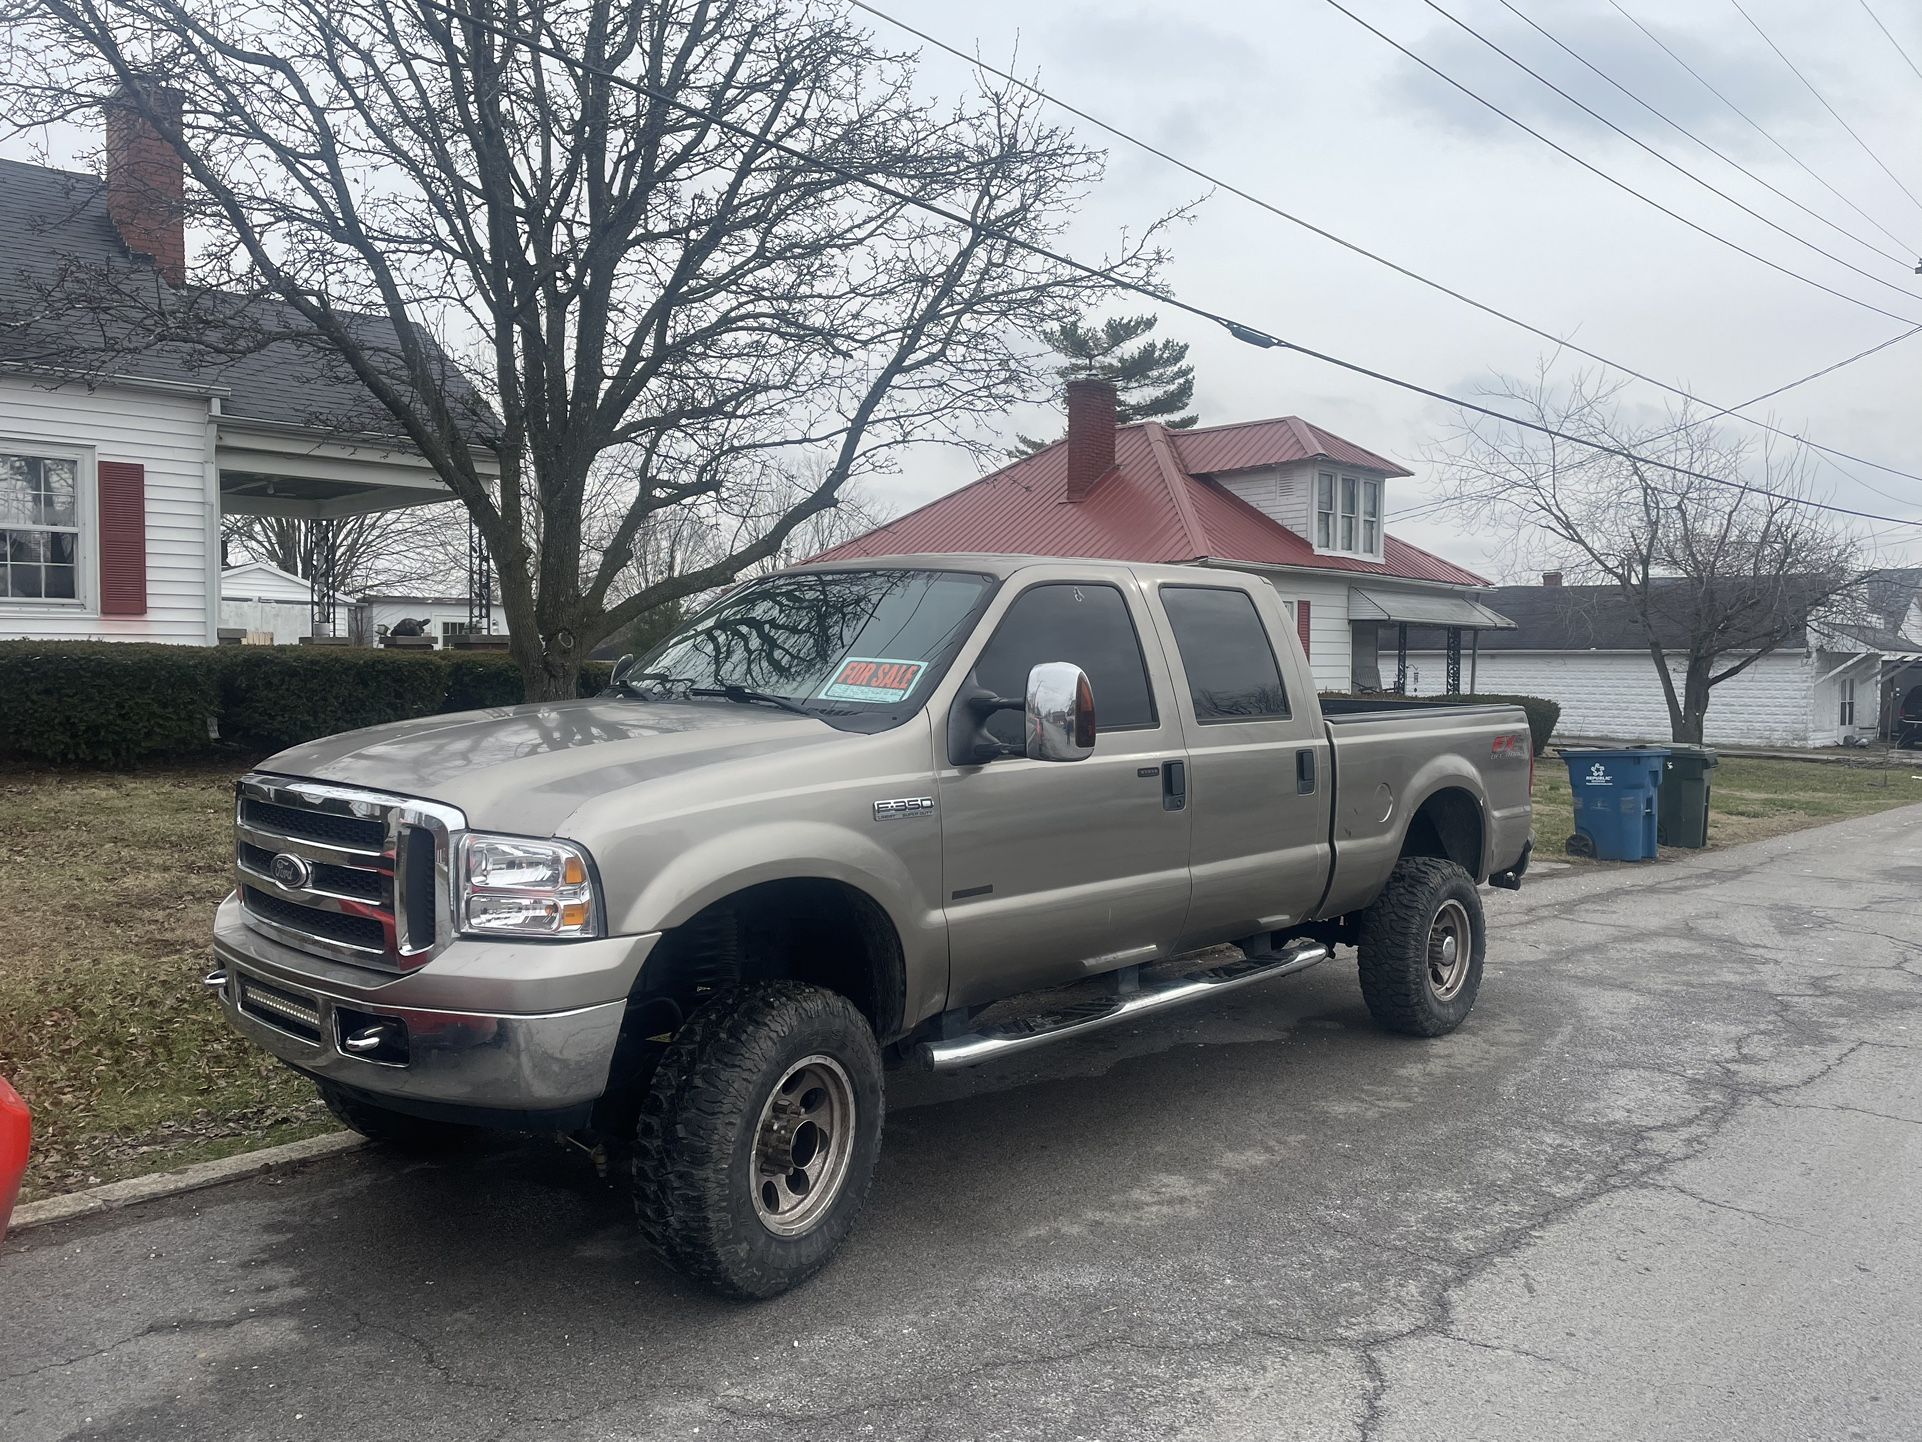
[1825, 698]
[1617, 694]
[258, 581]
[1281, 493]
[168, 435]
[1328, 635]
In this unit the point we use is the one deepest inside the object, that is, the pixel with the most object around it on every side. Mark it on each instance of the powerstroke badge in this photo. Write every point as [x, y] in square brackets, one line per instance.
[866, 678]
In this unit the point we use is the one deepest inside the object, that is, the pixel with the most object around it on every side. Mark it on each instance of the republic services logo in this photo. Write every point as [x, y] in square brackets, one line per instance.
[1598, 775]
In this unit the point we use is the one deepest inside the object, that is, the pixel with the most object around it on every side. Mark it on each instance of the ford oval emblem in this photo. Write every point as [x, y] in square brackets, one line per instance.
[291, 870]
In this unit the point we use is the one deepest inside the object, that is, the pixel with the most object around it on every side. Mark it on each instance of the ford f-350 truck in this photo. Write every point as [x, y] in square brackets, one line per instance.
[926, 810]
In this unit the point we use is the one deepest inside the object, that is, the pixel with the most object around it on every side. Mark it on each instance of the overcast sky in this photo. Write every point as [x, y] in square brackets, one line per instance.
[1297, 103]
[1294, 101]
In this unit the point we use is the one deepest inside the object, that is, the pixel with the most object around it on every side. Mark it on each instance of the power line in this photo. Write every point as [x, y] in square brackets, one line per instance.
[1675, 125]
[1891, 39]
[1753, 123]
[1679, 169]
[1273, 209]
[1248, 334]
[1825, 104]
[1621, 185]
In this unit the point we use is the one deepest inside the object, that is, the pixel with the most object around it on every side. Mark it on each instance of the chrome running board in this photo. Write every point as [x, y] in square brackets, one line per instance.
[1005, 1038]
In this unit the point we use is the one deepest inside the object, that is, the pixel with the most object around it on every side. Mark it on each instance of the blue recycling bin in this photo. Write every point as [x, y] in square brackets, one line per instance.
[1615, 793]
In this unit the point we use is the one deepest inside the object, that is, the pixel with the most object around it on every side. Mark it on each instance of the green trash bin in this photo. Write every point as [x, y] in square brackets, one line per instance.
[1685, 788]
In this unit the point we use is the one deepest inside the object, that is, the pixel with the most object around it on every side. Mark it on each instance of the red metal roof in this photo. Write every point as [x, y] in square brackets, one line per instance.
[1243, 447]
[1155, 505]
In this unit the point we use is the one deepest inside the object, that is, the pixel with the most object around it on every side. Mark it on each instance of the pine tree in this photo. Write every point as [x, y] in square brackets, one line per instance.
[1153, 380]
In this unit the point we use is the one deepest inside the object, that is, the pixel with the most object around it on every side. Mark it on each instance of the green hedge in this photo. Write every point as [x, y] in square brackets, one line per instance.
[1543, 714]
[112, 704]
[106, 702]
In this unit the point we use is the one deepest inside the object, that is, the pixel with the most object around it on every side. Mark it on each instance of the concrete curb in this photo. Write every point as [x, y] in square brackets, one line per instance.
[185, 1179]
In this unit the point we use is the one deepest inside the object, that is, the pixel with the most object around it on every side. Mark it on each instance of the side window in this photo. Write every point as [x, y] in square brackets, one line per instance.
[1064, 621]
[1232, 675]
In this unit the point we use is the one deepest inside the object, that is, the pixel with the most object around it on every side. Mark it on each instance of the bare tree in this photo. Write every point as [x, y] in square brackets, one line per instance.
[718, 263]
[1718, 572]
[419, 548]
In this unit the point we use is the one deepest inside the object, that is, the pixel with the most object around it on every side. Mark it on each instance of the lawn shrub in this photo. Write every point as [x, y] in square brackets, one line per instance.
[104, 702]
[274, 696]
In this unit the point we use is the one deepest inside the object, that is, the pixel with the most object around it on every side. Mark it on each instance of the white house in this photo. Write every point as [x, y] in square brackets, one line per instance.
[115, 472]
[1279, 497]
[1584, 647]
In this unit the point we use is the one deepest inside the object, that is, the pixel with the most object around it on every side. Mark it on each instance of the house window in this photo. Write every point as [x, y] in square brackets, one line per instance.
[39, 527]
[1347, 514]
[1848, 702]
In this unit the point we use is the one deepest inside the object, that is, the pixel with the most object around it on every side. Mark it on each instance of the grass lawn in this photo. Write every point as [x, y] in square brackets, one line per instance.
[1751, 799]
[104, 1027]
[129, 1065]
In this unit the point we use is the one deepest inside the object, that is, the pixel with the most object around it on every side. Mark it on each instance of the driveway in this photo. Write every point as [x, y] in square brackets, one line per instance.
[1662, 1185]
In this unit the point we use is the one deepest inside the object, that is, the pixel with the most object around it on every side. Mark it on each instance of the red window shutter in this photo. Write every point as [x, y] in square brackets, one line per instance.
[123, 538]
[1301, 625]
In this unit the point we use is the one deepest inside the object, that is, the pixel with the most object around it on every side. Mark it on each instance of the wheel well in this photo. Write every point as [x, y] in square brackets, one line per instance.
[1448, 825]
[809, 929]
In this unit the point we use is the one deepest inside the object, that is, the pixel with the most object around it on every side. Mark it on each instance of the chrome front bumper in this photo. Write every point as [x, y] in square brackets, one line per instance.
[513, 1061]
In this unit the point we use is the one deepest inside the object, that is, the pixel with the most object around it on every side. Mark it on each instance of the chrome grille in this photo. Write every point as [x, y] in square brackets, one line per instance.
[353, 875]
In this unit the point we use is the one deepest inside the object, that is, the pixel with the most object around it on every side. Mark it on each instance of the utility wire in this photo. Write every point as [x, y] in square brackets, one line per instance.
[1825, 104]
[1891, 39]
[1402, 270]
[1752, 122]
[1621, 185]
[1907, 263]
[1678, 168]
[1248, 334]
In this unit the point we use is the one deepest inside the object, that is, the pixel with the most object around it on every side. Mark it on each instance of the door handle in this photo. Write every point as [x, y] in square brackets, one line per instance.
[1174, 786]
[1305, 773]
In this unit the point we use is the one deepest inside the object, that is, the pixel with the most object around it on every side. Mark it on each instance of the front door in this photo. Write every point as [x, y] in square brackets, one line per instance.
[1058, 870]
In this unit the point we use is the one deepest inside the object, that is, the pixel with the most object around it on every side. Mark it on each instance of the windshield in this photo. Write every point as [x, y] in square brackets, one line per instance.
[869, 645]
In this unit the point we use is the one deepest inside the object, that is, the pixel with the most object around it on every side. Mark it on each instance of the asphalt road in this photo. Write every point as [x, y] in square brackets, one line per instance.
[1662, 1185]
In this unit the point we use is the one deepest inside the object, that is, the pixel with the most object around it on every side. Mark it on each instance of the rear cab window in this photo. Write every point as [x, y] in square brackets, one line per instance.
[1225, 651]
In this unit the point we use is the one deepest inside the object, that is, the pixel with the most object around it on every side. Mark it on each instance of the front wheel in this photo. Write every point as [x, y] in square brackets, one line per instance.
[1422, 942]
[758, 1137]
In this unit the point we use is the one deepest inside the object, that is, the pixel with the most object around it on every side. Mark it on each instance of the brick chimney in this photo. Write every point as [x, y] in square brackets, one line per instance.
[146, 182]
[1551, 578]
[1091, 408]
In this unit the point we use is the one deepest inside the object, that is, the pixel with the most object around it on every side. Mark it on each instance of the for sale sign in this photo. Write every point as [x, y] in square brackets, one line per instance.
[873, 679]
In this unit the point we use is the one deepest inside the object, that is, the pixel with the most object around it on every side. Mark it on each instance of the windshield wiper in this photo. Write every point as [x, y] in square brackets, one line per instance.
[741, 695]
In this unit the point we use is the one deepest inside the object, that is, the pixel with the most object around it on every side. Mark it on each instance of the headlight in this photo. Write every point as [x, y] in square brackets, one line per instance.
[513, 887]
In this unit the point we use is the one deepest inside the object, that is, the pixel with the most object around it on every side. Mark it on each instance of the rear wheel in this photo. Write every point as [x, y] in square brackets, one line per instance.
[400, 1130]
[758, 1137]
[1422, 943]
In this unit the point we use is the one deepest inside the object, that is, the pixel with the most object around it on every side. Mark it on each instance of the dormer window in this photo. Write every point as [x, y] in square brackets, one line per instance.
[1348, 514]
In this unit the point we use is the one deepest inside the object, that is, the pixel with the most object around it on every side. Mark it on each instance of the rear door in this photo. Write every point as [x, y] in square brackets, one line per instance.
[1258, 760]
[1056, 870]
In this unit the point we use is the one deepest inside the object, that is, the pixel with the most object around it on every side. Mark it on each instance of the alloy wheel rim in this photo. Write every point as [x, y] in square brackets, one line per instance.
[1450, 945]
[803, 1145]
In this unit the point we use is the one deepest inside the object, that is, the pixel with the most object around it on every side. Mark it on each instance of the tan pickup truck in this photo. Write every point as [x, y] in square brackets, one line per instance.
[929, 811]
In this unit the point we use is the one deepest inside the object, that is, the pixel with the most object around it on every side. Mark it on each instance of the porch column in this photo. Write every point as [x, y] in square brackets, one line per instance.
[321, 541]
[1401, 658]
[480, 583]
[1454, 660]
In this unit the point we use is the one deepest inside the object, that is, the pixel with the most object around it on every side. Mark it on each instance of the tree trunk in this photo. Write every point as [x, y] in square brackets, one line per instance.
[1695, 691]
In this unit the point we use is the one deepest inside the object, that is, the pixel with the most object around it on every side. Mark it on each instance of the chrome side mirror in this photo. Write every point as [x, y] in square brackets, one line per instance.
[1060, 720]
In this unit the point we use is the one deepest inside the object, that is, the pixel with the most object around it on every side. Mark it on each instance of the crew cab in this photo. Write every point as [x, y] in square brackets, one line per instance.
[822, 828]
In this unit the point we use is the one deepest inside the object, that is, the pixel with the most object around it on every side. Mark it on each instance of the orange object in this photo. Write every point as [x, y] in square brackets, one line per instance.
[16, 1135]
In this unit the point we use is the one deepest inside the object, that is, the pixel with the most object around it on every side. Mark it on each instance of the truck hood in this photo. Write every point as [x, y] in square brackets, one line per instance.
[526, 769]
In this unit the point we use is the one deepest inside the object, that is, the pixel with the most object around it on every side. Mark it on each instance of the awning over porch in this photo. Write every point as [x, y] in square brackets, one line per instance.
[1424, 608]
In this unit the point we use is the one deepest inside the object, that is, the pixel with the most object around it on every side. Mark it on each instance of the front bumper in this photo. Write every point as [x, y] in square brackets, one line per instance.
[499, 1059]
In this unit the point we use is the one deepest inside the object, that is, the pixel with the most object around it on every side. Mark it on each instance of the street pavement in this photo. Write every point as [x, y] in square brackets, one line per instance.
[1663, 1184]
